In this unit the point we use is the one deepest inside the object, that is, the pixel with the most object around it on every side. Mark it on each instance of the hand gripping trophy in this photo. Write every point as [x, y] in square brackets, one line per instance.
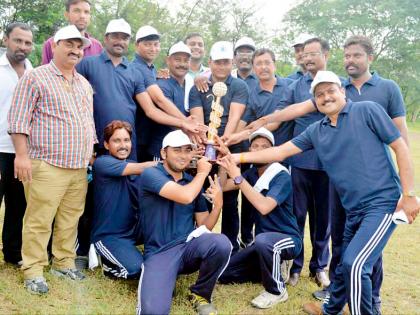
[219, 90]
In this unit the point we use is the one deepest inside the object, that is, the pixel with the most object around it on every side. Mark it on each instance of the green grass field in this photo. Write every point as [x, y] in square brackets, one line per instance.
[99, 295]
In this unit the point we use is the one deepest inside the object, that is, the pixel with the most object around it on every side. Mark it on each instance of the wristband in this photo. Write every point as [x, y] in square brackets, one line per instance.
[242, 158]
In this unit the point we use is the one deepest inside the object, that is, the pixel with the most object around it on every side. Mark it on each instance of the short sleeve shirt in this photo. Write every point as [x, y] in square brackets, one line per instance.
[143, 123]
[165, 223]
[355, 156]
[262, 103]
[176, 94]
[116, 210]
[382, 91]
[281, 219]
[114, 90]
[237, 91]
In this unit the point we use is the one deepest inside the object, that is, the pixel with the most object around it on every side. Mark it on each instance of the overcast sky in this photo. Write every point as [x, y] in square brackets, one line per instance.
[271, 11]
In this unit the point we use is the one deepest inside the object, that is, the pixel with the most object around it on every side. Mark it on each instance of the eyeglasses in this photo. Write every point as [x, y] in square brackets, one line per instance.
[311, 54]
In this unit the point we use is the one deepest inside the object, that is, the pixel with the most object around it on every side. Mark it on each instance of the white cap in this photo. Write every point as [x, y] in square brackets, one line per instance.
[145, 31]
[221, 50]
[324, 76]
[245, 42]
[179, 47]
[118, 26]
[262, 132]
[71, 32]
[176, 139]
[301, 39]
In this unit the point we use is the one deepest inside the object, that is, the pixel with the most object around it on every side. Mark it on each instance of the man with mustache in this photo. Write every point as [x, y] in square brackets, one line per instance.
[174, 89]
[116, 215]
[53, 132]
[13, 65]
[176, 226]
[116, 98]
[362, 85]
[310, 182]
[367, 184]
[147, 50]
[234, 105]
[298, 51]
[78, 14]
[269, 95]
[244, 48]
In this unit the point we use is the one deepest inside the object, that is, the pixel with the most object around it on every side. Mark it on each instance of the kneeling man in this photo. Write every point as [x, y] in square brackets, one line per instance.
[115, 226]
[172, 206]
[268, 188]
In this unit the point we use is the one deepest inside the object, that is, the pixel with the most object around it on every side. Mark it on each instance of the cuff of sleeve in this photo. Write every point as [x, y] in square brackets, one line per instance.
[16, 129]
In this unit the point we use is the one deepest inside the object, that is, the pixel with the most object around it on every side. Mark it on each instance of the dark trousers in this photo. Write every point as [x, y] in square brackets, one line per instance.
[230, 217]
[338, 220]
[85, 225]
[311, 196]
[261, 261]
[120, 257]
[365, 236]
[247, 221]
[209, 254]
[15, 204]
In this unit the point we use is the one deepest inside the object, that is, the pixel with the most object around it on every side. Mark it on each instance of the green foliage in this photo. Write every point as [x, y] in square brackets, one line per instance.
[393, 27]
[42, 15]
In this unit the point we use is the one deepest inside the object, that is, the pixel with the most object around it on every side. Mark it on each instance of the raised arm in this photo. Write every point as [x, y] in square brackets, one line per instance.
[209, 219]
[290, 112]
[185, 194]
[274, 154]
[163, 102]
[263, 204]
[161, 117]
[137, 168]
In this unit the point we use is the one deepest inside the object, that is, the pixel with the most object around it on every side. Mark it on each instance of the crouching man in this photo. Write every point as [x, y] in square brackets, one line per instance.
[268, 188]
[172, 206]
[115, 226]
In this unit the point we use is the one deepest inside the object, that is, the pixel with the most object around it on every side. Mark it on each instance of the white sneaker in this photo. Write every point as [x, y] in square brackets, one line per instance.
[285, 267]
[321, 279]
[267, 300]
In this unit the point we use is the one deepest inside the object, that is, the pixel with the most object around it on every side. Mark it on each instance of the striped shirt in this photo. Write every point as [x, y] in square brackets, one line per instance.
[56, 115]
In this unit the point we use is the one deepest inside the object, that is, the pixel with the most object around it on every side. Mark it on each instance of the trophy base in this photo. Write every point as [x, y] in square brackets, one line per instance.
[210, 153]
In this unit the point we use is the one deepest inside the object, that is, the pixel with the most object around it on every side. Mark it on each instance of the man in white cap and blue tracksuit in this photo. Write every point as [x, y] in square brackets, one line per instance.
[351, 144]
[234, 105]
[176, 228]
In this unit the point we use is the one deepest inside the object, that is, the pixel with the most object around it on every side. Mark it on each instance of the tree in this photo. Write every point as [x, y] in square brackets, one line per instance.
[393, 27]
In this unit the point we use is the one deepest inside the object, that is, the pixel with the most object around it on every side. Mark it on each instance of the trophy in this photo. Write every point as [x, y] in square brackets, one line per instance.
[219, 90]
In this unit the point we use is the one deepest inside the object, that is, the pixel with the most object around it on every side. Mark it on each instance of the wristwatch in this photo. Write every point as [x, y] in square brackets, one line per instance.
[410, 193]
[238, 180]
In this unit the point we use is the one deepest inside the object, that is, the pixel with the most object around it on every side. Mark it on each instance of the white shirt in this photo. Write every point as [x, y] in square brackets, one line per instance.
[9, 79]
[189, 83]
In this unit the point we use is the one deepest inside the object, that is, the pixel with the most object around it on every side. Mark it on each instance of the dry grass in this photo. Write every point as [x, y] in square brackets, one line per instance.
[99, 295]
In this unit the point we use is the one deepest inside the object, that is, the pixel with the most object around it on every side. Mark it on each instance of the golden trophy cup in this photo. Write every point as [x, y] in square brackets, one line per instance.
[219, 90]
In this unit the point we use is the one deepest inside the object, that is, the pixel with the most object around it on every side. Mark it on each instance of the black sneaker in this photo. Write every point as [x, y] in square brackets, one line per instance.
[72, 274]
[37, 285]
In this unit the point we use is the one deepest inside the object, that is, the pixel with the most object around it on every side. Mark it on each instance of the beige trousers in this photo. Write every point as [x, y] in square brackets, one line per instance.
[53, 194]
